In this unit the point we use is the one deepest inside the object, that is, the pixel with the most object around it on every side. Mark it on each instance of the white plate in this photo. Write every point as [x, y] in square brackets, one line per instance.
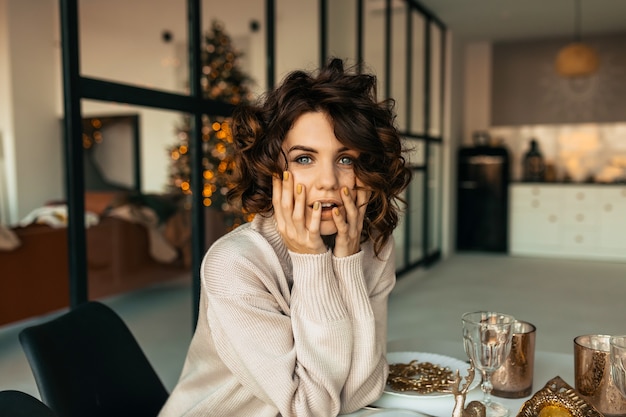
[435, 404]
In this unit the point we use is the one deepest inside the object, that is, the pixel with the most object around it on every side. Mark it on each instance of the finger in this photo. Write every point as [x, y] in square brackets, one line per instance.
[287, 191]
[286, 201]
[341, 224]
[277, 192]
[350, 207]
[299, 208]
[316, 220]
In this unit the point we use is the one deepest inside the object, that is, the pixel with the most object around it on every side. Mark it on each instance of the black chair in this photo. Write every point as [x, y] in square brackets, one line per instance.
[88, 363]
[19, 404]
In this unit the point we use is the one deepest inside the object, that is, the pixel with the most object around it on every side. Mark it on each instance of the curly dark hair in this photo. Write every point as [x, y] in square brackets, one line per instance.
[360, 122]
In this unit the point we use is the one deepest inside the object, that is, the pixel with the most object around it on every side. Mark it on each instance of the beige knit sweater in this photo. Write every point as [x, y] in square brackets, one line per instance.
[285, 334]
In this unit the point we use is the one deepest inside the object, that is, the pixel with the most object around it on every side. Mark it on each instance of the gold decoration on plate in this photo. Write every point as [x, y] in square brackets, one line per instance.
[557, 399]
[421, 377]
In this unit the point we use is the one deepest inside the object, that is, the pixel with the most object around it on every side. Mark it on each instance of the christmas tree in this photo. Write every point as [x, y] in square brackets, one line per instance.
[222, 80]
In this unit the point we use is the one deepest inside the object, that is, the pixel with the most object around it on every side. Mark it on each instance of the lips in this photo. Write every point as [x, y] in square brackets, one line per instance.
[327, 205]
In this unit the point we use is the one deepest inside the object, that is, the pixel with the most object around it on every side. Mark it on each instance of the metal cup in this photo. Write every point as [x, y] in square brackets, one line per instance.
[514, 379]
[592, 373]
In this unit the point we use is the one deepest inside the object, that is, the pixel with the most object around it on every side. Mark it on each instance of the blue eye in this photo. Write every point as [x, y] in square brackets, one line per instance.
[303, 160]
[345, 160]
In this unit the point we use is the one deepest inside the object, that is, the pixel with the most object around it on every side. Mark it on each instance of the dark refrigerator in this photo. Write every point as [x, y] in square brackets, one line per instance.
[482, 199]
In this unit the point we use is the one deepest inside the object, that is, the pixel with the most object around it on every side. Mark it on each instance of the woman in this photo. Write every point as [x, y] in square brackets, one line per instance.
[293, 306]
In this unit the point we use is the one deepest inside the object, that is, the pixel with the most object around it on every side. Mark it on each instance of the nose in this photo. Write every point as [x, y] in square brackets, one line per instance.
[327, 178]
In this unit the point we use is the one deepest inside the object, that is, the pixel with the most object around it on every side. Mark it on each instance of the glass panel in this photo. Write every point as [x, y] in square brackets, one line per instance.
[297, 35]
[114, 47]
[434, 197]
[342, 30]
[242, 24]
[416, 217]
[398, 63]
[399, 235]
[415, 151]
[217, 167]
[142, 236]
[374, 43]
[157, 131]
[417, 74]
[436, 74]
[111, 152]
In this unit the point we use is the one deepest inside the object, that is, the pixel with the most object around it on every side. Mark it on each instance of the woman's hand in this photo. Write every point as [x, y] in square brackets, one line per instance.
[289, 201]
[348, 239]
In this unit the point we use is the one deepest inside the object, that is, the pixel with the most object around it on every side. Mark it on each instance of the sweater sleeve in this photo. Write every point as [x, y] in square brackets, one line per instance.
[295, 357]
[365, 282]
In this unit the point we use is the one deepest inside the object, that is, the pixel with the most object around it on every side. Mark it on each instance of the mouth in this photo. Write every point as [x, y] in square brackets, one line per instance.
[327, 206]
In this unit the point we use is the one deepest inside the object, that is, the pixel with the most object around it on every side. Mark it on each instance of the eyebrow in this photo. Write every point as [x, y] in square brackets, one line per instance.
[311, 150]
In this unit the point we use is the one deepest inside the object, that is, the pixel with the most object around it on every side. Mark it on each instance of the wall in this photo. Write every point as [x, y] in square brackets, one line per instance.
[467, 110]
[454, 128]
[579, 124]
[527, 90]
[477, 89]
[29, 103]
[7, 152]
[297, 36]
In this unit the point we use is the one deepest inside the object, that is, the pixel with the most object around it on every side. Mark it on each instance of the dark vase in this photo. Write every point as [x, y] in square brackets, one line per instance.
[534, 165]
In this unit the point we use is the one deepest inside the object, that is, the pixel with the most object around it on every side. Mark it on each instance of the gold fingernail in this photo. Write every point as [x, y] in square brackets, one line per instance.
[336, 211]
[299, 188]
[346, 191]
[286, 175]
[316, 205]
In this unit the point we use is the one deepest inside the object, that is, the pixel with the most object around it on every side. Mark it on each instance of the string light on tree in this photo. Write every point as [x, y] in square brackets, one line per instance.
[221, 79]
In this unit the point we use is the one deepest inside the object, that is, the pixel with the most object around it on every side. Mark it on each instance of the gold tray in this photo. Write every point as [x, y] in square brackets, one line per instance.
[557, 393]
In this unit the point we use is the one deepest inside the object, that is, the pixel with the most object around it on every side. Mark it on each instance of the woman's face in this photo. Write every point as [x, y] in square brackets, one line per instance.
[322, 164]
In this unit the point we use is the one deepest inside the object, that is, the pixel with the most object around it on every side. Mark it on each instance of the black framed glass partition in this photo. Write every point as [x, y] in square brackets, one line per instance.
[85, 82]
[404, 45]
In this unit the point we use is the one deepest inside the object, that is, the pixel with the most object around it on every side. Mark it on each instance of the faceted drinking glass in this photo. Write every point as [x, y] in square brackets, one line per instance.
[487, 340]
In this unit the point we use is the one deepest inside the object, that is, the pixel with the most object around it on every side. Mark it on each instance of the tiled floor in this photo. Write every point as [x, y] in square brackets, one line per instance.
[563, 298]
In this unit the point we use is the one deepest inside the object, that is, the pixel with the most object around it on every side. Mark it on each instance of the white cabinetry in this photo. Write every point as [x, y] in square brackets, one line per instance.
[577, 221]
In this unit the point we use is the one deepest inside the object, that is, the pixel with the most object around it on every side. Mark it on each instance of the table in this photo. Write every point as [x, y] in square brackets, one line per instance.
[547, 366]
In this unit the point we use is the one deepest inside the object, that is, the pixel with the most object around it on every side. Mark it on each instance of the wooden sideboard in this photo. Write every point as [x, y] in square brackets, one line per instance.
[568, 220]
[34, 278]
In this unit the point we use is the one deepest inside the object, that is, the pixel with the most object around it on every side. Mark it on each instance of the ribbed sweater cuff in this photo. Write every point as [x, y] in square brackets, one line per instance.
[315, 285]
[349, 272]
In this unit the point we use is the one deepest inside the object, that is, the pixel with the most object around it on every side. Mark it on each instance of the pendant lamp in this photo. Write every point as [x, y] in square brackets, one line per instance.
[577, 59]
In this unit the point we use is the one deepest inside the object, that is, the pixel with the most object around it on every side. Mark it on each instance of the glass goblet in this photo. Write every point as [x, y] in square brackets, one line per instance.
[617, 356]
[487, 340]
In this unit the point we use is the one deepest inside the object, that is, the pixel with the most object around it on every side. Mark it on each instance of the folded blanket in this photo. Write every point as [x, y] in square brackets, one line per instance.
[55, 216]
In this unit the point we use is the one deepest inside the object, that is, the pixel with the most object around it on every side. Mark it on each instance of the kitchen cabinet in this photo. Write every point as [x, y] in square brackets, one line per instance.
[568, 220]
